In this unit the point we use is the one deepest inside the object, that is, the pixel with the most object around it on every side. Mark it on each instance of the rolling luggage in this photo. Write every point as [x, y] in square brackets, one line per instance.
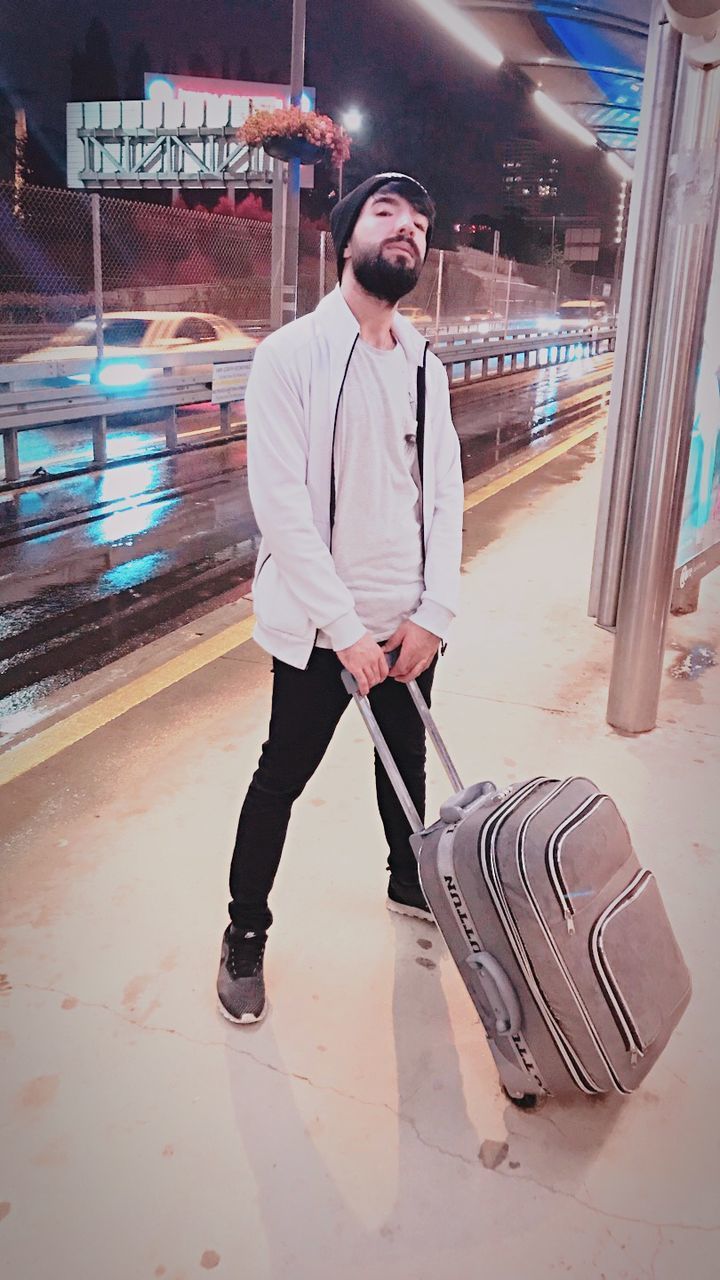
[559, 934]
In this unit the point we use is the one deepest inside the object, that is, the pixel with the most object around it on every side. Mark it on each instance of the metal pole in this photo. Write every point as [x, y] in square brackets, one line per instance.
[279, 189]
[557, 291]
[496, 254]
[438, 300]
[97, 274]
[643, 232]
[684, 268]
[99, 426]
[323, 255]
[507, 296]
[292, 216]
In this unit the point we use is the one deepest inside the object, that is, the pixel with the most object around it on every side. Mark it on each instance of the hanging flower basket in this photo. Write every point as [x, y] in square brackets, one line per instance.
[292, 134]
[285, 148]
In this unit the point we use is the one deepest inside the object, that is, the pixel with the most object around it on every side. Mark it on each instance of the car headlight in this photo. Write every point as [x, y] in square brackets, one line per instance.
[118, 374]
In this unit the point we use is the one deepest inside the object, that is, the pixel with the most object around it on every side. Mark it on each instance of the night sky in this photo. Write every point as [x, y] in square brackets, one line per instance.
[430, 106]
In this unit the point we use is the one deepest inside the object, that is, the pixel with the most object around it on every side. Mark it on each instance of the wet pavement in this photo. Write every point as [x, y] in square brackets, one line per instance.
[95, 565]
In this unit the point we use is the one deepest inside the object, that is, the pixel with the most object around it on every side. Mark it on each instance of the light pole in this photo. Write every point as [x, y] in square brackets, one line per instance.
[352, 122]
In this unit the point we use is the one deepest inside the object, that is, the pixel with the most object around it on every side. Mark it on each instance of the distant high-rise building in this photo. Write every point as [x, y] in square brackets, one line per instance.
[530, 176]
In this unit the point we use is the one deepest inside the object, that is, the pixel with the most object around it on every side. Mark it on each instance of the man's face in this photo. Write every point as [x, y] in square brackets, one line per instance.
[387, 246]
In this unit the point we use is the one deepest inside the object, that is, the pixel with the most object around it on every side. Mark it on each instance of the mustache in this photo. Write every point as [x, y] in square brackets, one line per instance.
[402, 243]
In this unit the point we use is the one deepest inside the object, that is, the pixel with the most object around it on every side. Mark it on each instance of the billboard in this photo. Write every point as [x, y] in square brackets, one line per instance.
[225, 100]
[582, 244]
[699, 545]
[114, 143]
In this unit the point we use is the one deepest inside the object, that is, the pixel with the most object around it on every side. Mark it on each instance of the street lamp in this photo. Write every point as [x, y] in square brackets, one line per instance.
[352, 122]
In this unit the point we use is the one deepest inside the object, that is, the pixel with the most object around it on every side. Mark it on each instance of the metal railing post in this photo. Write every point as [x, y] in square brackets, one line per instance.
[12, 456]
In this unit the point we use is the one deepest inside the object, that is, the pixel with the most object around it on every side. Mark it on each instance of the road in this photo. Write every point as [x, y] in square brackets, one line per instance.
[97, 564]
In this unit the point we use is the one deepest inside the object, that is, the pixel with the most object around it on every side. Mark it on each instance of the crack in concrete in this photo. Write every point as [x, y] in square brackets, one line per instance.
[656, 1255]
[457, 1156]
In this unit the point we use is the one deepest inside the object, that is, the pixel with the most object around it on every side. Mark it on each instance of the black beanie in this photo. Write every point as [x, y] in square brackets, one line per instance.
[347, 211]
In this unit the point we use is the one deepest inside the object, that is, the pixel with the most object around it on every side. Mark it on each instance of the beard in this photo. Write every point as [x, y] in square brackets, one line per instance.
[388, 281]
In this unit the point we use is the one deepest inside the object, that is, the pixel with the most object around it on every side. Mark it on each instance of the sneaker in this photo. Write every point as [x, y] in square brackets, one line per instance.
[240, 984]
[408, 900]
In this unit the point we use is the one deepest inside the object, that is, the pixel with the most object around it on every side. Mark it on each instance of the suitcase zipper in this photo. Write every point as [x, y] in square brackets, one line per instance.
[487, 843]
[618, 1004]
[572, 986]
[554, 856]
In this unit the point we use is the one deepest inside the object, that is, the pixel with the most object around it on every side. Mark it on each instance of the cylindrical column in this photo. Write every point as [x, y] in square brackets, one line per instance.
[640, 256]
[684, 270]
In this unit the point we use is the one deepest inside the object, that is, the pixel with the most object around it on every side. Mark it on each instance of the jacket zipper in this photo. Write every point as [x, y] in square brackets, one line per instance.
[333, 499]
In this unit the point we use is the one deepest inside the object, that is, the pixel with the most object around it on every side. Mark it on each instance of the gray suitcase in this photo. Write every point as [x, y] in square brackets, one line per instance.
[559, 934]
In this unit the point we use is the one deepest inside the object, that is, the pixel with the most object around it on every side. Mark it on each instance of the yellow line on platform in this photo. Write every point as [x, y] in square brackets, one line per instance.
[527, 468]
[50, 742]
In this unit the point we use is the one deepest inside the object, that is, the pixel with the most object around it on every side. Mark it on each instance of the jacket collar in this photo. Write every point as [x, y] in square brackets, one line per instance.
[338, 323]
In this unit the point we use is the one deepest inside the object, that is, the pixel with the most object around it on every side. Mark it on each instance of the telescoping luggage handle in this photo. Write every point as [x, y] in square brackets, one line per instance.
[453, 808]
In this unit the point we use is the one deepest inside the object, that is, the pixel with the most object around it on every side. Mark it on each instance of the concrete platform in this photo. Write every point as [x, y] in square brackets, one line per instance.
[359, 1131]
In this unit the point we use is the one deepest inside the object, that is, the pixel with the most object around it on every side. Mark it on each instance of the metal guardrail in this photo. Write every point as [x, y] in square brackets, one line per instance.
[179, 379]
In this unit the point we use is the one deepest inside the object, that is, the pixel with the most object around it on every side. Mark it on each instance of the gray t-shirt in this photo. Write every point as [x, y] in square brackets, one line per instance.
[376, 545]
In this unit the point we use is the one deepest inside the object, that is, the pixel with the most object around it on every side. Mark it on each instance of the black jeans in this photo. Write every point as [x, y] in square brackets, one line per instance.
[306, 709]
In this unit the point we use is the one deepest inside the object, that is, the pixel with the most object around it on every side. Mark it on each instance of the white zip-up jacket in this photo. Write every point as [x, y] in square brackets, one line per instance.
[292, 402]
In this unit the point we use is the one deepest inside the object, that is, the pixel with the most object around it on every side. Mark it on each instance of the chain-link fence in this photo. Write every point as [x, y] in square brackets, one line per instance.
[152, 258]
[149, 259]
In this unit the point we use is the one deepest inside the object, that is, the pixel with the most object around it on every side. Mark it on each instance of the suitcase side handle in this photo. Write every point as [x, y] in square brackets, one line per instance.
[500, 993]
[425, 715]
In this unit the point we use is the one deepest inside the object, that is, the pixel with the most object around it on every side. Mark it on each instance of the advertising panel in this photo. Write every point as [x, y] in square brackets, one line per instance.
[699, 545]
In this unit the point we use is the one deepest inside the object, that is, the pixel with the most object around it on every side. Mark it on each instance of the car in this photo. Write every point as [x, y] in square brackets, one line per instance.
[130, 335]
[581, 312]
[416, 315]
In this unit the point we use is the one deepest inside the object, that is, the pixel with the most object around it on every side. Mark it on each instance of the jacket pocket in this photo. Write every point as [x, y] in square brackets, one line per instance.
[276, 606]
[638, 964]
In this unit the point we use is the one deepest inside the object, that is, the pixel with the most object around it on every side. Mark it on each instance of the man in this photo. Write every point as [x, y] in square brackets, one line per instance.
[354, 476]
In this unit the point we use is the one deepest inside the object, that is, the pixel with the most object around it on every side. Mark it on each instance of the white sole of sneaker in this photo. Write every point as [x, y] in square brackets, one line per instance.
[247, 1019]
[401, 910]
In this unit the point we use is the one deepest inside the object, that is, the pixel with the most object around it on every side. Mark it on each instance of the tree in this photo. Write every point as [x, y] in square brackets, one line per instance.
[138, 63]
[93, 75]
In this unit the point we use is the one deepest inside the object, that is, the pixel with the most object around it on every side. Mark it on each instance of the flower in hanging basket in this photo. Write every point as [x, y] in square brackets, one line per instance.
[290, 124]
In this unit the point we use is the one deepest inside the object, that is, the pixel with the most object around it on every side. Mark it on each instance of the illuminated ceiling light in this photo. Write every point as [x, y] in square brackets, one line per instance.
[463, 28]
[563, 119]
[617, 163]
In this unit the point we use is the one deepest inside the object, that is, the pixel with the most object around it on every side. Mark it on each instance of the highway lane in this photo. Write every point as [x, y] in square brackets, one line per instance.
[95, 565]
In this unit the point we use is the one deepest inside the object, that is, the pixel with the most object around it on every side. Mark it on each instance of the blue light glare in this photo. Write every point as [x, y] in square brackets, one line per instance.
[119, 374]
[130, 488]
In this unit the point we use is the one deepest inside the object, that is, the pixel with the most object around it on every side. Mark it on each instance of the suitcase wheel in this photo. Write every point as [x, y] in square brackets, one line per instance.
[526, 1101]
